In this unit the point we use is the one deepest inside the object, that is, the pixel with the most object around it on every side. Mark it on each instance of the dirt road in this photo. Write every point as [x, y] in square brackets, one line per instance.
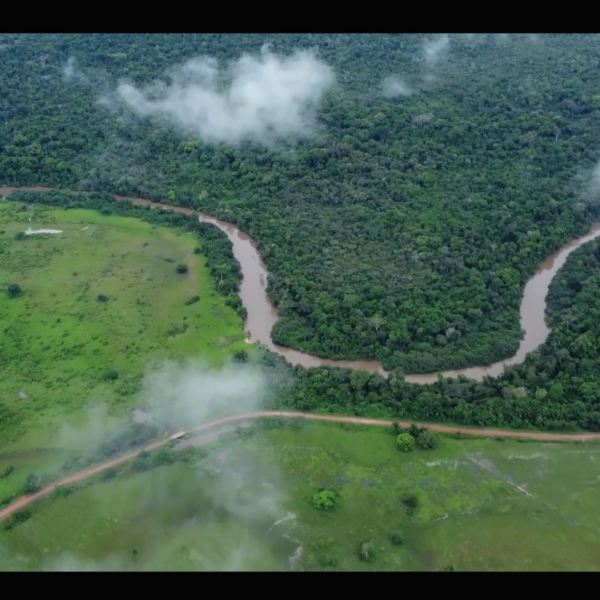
[530, 435]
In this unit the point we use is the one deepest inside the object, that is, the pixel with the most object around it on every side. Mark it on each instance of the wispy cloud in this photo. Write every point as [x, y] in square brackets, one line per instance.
[434, 49]
[263, 98]
[71, 71]
[394, 86]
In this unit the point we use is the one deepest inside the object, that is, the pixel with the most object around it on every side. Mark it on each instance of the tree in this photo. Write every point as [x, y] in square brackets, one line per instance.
[324, 500]
[376, 321]
[181, 269]
[414, 430]
[141, 462]
[20, 235]
[13, 290]
[241, 356]
[405, 442]
[397, 537]
[426, 440]
[102, 298]
[32, 484]
[366, 552]
[411, 501]
[165, 456]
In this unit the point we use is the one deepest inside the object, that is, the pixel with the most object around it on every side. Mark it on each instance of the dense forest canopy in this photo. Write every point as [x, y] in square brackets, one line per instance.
[441, 171]
[403, 230]
[557, 387]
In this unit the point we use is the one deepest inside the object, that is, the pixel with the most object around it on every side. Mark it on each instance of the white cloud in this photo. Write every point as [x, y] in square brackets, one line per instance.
[71, 71]
[69, 68]
[434, 49]
[394, 86]
[262, 98]
[193, 393]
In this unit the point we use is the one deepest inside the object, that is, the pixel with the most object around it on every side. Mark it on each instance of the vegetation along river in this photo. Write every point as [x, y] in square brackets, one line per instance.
[262, 315]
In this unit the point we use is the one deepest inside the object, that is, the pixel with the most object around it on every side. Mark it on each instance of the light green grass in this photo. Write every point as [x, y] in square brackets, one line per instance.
[58, 340]
[100, 527]
[468, 517]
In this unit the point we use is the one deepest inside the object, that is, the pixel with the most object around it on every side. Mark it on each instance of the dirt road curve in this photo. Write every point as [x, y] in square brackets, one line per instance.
[530, 435]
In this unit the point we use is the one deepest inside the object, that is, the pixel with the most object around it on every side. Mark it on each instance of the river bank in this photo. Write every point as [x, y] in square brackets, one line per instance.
[262, 315]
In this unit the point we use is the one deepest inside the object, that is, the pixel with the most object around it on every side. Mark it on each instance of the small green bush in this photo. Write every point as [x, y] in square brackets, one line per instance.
[326, 560]
[17, 518]
[366, 552]
[13, 290]
[62, 491]
[411, 501]
[32, 484]
[324, 500]
[141, 463]
[109, 474]
[397, 537]
[405, 442]
[181, 268]
[7, 472]
[241, 356]
[426, 440]
[174, 330]
[164, 456]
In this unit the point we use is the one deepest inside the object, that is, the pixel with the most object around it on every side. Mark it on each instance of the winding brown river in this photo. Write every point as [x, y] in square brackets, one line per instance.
[262, 315]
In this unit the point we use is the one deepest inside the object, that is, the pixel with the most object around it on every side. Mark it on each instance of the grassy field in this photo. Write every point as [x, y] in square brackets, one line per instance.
[219, 512]
[101, 527]
[468, 516]
[68, 351]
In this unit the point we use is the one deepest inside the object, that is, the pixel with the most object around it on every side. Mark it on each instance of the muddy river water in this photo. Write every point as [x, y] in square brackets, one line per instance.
[262, 315]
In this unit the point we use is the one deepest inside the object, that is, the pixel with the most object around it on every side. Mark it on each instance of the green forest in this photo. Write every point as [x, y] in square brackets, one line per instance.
[403, 231]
